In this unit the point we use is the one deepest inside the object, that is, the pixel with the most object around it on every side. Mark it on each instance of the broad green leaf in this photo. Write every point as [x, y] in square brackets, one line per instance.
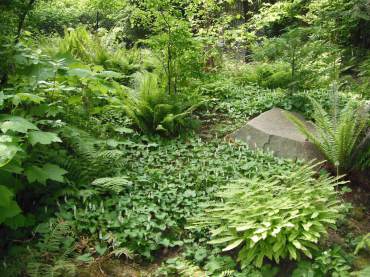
[47, 172]
[26, 97]
[41, 137]
[16, 124]
[80, 72]
[7, 153]
[6, 196]
[9, 211]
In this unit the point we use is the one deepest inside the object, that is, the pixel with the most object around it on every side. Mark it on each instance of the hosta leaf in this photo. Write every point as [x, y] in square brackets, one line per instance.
[43, 137]
[243, 228]
[292, 252]
[233, 245]
[277, 245]
[297, 244]
[255, 238]
[259, 259]
[221, 240]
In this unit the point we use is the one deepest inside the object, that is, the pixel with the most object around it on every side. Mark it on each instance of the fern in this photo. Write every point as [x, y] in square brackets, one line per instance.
[89, 157]
[115, 184]
[82, 45]
[118, 252]
[337, 135]
[53, 255]
[152, 109]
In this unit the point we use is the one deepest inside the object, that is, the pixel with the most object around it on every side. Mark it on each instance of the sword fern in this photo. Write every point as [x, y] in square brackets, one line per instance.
[337, 135]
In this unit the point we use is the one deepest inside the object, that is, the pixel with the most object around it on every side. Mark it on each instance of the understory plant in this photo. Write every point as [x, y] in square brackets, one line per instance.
[153, 109]
[339, 134]
[280, 217]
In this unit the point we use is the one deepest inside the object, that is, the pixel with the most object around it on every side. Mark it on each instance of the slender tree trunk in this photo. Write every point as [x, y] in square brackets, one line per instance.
[21, 21]
[169, 54]
[97, 21]
[293, 69]
[22, 18]
[245, 16]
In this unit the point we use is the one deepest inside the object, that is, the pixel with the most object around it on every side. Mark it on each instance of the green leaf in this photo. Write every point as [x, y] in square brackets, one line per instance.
[6, 196]
[9, 211]
[7, 153]
[54, 172]
[47, 172]
[233, 245]
[16, 124]
[109, 74]
[124, 130]
[100, 249]
[80, 72]
[221, 240]
[26, 97]
[41, 137]
[86, 258]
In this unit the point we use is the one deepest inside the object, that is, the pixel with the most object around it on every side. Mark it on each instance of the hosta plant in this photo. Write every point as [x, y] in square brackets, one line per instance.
[279, 217]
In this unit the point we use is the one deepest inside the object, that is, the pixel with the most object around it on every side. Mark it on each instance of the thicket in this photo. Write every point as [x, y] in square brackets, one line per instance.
[112, 118]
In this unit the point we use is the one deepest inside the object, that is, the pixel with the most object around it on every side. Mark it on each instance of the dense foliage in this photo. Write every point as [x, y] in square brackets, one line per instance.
[114, 118]
[284, 228]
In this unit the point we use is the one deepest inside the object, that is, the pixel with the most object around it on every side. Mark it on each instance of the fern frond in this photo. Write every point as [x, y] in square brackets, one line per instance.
[338, 135]
[114, 184]
[118, 252]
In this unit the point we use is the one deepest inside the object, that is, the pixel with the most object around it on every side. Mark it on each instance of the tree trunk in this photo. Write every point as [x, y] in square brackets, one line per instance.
[246, 18]
[97, 21]
[22, 18]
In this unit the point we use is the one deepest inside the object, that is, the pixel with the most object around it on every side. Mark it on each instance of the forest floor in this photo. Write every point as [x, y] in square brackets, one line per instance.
[216, 126]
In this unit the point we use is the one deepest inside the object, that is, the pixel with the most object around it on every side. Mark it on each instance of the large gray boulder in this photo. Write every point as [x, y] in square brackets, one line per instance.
[273, 131]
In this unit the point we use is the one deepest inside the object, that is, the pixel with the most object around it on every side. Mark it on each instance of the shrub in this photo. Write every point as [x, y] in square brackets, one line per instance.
[278, 217]
[266, 75]
[338, 134]
[84, 46]
[152, 109]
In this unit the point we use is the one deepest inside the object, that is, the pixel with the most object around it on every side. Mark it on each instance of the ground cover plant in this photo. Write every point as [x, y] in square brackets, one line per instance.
[115, 154]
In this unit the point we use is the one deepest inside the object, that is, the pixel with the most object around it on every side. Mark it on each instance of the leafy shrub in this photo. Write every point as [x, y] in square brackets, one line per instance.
[331, 262]
[28, 130]
[152, 109]
[266, 75]
[338, 134]
[52, 255]
[304, 58]
[278, 217]
[96, 49]
[210, 262]
[84, 46]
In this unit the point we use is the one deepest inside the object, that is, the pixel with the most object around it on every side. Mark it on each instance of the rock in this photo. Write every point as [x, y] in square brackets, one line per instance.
[273, 131]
